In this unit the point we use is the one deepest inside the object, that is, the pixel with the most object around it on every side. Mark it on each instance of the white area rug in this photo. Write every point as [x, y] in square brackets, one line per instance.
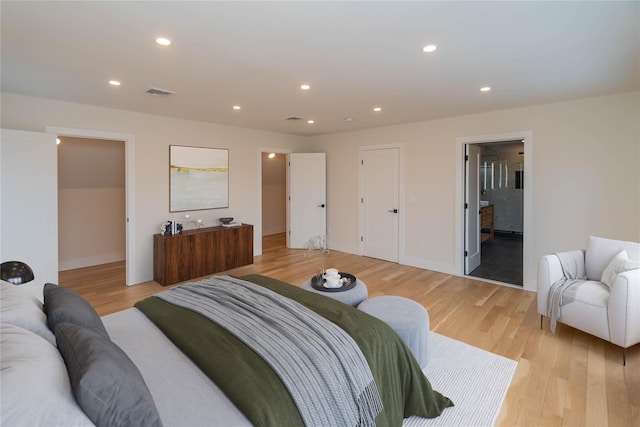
[474, 379]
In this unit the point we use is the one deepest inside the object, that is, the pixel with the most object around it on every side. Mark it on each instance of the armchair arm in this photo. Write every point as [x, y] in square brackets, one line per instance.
[549, 272]
[624, 309]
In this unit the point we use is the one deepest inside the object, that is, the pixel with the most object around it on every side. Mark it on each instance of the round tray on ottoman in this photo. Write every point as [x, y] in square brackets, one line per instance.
[354, 295]
[318, 283]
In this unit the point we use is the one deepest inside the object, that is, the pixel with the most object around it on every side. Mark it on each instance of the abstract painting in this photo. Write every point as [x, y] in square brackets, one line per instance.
[199, 178]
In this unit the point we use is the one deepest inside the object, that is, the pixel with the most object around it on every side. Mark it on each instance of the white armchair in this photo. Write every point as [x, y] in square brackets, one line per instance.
[607, 304]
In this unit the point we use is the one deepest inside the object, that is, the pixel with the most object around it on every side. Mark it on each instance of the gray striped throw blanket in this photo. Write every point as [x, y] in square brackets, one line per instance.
[564, 290]
[322, 367]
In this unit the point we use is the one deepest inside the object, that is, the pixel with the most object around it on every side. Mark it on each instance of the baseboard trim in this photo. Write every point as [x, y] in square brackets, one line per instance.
[91, 261]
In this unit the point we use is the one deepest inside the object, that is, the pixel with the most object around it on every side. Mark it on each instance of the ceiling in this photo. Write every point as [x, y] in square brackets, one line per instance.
[355, 55]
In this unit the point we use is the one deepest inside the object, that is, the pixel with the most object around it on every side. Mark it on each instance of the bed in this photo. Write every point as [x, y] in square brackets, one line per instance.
[161, 363]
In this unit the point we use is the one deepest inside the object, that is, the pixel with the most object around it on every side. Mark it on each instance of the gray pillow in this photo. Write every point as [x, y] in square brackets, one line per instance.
[106, 383]
[35, 385]
[64, 305]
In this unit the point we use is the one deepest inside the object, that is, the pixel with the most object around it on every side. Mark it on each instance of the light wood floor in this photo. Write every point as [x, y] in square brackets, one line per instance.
[570, 378]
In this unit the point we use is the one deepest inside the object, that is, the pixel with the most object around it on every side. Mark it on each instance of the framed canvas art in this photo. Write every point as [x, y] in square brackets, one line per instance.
[199, 178]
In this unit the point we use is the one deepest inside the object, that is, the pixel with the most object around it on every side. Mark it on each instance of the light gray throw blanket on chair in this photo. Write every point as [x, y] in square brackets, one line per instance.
[324, 370]
[564, 290]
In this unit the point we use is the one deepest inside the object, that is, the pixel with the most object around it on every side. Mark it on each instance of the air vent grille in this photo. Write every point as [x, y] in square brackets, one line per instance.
[294, 118]
[157, 91]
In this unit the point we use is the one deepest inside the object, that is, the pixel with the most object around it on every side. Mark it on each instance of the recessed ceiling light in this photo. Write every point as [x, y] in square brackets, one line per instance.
[114, 83]
[58, 141]
[163, 41]
[310, 122]
[305, 86]
[485, 89]
[429, 48]
[377, 109]
[272, 155]
[236, 107]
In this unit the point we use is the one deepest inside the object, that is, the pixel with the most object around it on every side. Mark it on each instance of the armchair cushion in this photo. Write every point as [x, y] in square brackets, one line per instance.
[619, 264]
[601, 251]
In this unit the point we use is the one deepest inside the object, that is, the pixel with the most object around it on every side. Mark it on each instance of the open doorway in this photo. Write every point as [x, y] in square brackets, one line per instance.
[131, 274]
[496, 192]
[274, 197]
[280, 176]
[91, 202]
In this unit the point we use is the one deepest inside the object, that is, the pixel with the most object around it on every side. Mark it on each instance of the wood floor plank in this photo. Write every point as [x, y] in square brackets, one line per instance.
[569, 378]
[597, 414]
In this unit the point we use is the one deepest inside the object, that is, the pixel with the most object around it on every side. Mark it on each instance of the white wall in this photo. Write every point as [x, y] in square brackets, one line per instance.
[585, 169]
[153, 135]
[91, 227]
[586, 177]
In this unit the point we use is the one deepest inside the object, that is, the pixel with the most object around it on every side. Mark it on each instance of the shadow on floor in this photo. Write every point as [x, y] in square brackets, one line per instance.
[501, 259]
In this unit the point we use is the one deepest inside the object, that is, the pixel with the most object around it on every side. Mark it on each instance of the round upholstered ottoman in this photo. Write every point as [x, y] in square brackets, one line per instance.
[352, 297]
[409, 319]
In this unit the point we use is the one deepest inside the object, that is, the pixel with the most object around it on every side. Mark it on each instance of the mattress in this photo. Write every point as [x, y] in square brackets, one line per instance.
[183, 395]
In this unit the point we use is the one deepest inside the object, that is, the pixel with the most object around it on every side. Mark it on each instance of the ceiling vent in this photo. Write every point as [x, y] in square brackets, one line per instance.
[294, 118]
[157, 91]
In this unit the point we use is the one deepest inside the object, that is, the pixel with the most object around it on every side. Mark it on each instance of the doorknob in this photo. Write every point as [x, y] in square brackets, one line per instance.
[321, 206]
[393, 210]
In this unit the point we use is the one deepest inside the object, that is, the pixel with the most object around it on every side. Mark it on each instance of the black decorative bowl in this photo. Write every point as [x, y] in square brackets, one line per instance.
[226, 220]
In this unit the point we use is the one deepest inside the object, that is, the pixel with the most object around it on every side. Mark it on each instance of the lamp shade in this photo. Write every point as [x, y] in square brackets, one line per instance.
[16, 272]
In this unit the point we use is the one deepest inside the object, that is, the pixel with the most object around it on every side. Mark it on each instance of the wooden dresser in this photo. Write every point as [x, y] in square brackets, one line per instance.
[486, 221]
[196, 253]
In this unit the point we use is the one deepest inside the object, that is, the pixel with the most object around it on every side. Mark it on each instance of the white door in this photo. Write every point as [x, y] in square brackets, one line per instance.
[379, 198]
[472, 208]
[29, 211]
[307, 198]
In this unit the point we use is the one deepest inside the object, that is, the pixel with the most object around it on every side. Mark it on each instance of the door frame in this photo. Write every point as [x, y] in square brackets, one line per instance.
[471, 201]
[257, 229]
[528, 263]
[401, 197]
[129, 162]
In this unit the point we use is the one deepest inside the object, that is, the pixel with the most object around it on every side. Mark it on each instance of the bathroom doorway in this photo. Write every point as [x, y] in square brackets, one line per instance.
[497, 192]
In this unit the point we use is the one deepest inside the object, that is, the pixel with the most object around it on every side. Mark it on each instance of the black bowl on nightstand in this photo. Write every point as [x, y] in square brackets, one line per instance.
[225, 220]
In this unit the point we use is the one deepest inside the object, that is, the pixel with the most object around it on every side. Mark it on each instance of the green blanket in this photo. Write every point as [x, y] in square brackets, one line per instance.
[258, 392]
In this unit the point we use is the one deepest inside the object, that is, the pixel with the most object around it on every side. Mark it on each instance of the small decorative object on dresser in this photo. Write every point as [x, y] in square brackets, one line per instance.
[191, 224]
[170, 228]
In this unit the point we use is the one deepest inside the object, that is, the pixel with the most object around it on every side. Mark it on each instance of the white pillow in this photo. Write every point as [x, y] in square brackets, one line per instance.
[619, 264]
[22, 309]
[35, 383]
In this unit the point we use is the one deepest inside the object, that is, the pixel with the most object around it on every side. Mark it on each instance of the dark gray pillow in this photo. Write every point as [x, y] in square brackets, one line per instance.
[108, 386]
[64, 305]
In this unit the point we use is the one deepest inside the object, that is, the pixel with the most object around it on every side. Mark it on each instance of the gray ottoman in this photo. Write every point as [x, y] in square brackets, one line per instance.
[409, 319]
[352, 297]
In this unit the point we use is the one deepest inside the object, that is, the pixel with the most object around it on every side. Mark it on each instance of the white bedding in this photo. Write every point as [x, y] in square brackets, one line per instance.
[183, 395]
